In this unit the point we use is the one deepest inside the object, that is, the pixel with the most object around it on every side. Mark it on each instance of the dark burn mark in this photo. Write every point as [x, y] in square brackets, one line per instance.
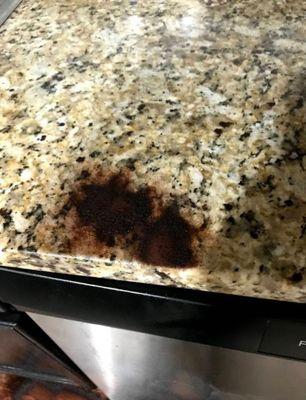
[167, 241]
[112, 209]
[134, 220]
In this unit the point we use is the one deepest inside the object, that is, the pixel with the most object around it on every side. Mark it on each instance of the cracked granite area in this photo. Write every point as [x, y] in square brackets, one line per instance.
[204, 101]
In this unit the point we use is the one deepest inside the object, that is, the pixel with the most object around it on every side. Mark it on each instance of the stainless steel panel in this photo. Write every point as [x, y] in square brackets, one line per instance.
[6, 8]
[22, 353]
[131, 365]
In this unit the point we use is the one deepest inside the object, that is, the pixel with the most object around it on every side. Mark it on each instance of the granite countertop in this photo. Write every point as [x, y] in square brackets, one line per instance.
[156, 141]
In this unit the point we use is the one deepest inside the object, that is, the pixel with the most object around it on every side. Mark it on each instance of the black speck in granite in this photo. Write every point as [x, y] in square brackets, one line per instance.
[303, 228]
[263, 269]
[84, 174]
[36, 212]
[228, 206]
[49, 86]
[253, 226]
[267, 184]
[95, 154]
[296, 277]
[245, 135]
[82, 270]
[218, 131]
[225, 124]
[243, 180]
[6, 129]
[59, 76]
[6, 215]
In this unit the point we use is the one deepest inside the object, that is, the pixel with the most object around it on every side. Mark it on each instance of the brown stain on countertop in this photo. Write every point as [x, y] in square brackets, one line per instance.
[106, 213]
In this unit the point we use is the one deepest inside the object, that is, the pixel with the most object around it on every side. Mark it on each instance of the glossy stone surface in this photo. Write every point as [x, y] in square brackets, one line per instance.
[200, 102]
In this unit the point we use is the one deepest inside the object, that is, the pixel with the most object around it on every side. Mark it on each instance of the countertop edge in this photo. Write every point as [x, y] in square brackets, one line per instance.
[182, 314]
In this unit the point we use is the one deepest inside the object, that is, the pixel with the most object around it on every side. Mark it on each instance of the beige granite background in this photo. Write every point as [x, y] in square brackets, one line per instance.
[204, 101]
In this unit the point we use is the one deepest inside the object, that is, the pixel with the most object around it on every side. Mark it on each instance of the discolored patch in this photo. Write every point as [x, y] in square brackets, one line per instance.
[110, 218]
[112, 208]
[167, 241]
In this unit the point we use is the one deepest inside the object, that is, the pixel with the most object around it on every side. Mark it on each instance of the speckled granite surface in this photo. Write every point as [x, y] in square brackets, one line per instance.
[188, 117]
